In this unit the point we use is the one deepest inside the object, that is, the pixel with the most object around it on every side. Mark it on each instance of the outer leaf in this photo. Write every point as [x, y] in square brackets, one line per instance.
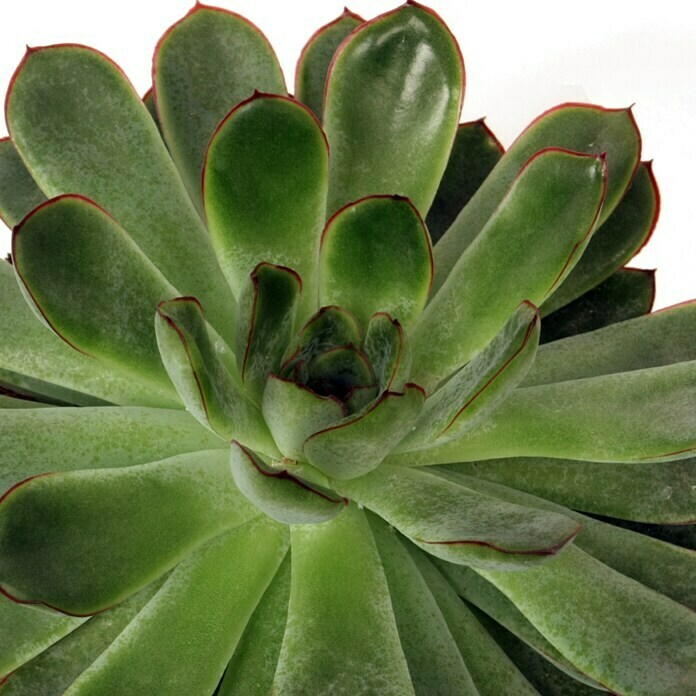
[293, 412]
[37, 359]
[274, 212]
[80, 145]
[627, 294]
[182, 640]
[360, 442]
[527, 247]
[387, 352]
[92, 285]
[458, 524]
[618, 240]
[253, 665]
[37, 440]
[267, 313]
[359, 269]
[281, 492]
[19, 193]
[203, 65]
[341, 637]
[194, 360]
[481, 384]
[475, 152]
[577, 127]
[661, 493]
[82, 541]
[434, 661]
[316, 56]
[646, 415]
[613, 655]
[393, 97]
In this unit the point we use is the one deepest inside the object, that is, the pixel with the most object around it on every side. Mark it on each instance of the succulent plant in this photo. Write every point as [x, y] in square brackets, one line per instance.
[328, 394]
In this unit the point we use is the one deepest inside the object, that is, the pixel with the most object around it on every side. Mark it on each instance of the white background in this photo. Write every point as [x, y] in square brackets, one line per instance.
[521, 57]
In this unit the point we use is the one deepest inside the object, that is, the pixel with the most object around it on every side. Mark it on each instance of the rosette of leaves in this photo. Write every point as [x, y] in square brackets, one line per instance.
[328, 394]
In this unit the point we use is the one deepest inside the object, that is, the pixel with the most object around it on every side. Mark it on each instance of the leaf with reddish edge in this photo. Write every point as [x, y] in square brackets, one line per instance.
[611, 654]
[492, 672]
[656, 492]
[275, 211]
[90, 283]
[358, 266]
[293, 412]
[82, 541]
[207, 62]
[481, 385]
[660, 338]
[457, 523]
[164, 650]
[528, 246]
[80, 145]
[19, 193]
[627, 294]
[359, 443]
[434, 661]
[393, 97]
[280, 491]
[149, 101]
[253, 665]
[617, 241]
[386, 349]
[339, 371]
[474, 153]
[265, 322]
[194, 358]
[315, 58]
[333, 635]
[577, 127]
[645, 415]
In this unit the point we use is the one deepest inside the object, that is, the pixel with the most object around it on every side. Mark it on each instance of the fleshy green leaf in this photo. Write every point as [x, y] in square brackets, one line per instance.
[37, 440]
[657, 492]
[335, 641]
[645, 415]
[253, 665]
[313, 63]
[80, 145]
[525, 250]
[393, 97]
[386, 349]
[205, 64]
[481, 384]
[17, 401]
[183, 639]
[195, 361]
[457, 523]
[19, 193]
[474, 153]
[149, 101]
[21, 387]
[376, 257]
[576, 127]
[434, 661]
[616, 242]
[627, 294]
[280, 490]
[612, 651]
[266, 316]
[360, 442]
[339, 371]
[91, 284]
[294, 412]
[264, 189]
[84, 540]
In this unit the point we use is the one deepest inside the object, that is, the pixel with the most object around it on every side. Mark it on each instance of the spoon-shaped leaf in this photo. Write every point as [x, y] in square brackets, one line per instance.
[19, 193]
[527, 247]
[273, 211]
[393, 97]
[80, 145]
[84, 540]
[203, 65]
[376, 257]
[387, 351]
[457, 523]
